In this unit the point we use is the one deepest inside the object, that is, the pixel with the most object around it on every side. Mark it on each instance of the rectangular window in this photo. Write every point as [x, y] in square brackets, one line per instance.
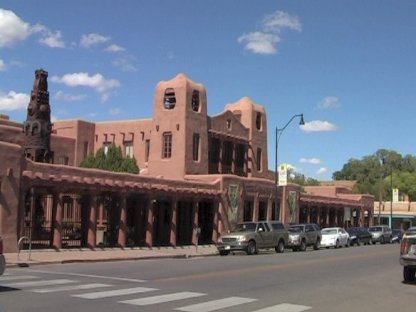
[106, 146]
[128, 149]
[167, 145]
[259, 159]
[146, 150]
[195, 150]
[86, 148]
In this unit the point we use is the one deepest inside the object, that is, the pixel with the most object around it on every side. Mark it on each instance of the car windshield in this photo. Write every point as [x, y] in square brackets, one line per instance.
[245, 227]
[329, 231]
[295, 228]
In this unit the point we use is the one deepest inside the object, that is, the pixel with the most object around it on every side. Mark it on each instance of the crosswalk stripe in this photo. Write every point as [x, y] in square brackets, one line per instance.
[113, 293]
[285, 307]
[215, 304]
[68, 288]
[163, 298]
[39, 283]
[16, 277]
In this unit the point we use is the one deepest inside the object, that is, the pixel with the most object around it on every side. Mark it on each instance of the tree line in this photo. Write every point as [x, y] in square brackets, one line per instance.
[379, 173]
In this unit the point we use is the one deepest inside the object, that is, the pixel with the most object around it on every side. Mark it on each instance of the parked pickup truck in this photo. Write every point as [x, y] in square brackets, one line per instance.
[408, 255]
[252, 236]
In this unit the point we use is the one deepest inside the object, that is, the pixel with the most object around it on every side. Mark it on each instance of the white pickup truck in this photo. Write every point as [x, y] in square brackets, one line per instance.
[408, 255]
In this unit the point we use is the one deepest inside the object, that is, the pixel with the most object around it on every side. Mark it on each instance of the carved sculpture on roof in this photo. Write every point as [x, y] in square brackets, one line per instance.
[37, 127]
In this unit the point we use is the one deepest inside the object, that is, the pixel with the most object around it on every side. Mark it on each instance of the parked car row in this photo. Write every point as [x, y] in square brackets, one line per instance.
[252, 236]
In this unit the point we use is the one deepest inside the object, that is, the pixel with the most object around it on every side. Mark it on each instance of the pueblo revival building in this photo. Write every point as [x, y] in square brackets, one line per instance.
[198, 176]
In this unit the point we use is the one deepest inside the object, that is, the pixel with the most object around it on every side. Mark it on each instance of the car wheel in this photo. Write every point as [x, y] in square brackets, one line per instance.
[294, 249]
[280, 247]
[382, 240]
[337, 244]
[408, 274]
[317, 244]
[374, 242]
[224, 252]
[302, 245]
[251, 248]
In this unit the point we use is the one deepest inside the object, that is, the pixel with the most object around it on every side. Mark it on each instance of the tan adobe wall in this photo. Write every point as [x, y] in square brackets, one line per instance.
[249, 112]
[10, 168]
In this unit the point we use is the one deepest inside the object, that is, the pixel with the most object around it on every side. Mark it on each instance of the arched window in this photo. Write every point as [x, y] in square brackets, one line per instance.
[169, 100]
[258, 121]
[195, 101]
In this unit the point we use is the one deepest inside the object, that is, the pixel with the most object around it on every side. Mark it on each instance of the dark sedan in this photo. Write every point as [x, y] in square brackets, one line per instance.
[359, 235]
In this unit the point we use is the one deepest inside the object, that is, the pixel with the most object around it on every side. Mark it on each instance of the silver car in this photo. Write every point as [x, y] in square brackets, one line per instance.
[252, 236]
[381, 233]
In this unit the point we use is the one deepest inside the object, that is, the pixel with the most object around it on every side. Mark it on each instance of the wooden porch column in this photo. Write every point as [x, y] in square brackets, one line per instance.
[195, 206]
[255, 216]
[92, 222]
[327, 216]
[269, 208]
[318, 215]
[57, 221]
[216, 225]
[308, 214]
[122, 229]
[336, 216]
[173, 221]
[149, 223]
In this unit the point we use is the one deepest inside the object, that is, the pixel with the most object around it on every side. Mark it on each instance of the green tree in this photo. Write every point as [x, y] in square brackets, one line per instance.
[112, 161]
[376, 173]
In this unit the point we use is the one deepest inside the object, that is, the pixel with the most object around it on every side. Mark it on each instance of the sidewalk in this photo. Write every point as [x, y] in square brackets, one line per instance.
[50, 256]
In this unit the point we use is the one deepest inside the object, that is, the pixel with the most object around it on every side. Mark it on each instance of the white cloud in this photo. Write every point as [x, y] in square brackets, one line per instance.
[92, 39]
[13, 101]
[313, 161]
[2, 65]
[125, 63]
[60, 95]
[279, 20]
[266, 40]
[329, 102]
[322, 170]
[97, 82]
[260, 42]
[318, 126]
[12, 28]
[53, 40]
[114, 48]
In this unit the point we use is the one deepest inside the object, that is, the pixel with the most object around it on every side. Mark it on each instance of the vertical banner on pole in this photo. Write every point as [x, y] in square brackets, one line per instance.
[395, 195]
[282, 175]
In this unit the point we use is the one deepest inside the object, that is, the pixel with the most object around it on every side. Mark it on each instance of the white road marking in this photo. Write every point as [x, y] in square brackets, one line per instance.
[163, 298]
[16, 277]
[113, 293]
[285, 307]
[39, 283]
[215, 304]
[92, 276]
[68, 288]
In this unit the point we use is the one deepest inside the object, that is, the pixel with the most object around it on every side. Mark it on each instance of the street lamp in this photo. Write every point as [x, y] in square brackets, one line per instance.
[279, 132]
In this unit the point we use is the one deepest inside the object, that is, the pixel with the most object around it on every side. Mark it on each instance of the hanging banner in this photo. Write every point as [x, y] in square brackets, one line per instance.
[395, 195]
[282, 175]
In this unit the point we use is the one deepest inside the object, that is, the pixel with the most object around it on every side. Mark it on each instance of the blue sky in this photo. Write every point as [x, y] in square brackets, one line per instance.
[348, 66]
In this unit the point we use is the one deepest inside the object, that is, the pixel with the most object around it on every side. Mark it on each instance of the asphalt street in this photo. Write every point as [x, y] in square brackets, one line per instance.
[365, 278]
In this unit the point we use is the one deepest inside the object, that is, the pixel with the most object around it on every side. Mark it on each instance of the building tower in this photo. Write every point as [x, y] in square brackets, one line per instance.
[37, 127]
[179, 135]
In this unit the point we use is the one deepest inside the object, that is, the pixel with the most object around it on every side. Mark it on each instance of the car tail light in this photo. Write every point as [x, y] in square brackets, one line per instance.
[403, 246]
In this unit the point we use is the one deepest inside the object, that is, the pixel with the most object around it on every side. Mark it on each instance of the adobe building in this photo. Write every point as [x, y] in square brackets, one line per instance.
[198, 176]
